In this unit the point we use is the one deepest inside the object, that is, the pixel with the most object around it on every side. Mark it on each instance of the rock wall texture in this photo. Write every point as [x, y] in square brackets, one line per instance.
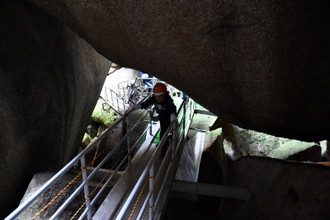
[50, 80]
[241, 142]
[262, 65]
[280, 190]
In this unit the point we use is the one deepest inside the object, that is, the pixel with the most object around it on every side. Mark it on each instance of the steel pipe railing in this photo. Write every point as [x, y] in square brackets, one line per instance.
[171, 152]
[86, 189]
[149, 169]
[69, 166]
[64, 205]
[140, 181]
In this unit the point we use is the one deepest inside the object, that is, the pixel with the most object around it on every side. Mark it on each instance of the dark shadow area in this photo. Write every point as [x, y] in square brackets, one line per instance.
[203, 207]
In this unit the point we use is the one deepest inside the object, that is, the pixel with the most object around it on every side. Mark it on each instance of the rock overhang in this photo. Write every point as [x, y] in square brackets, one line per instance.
[260, 65]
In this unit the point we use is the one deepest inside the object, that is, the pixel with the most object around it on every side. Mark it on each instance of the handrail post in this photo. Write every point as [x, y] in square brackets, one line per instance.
[150, 121]
[184, 117]
[86, 190]
[151, 190]
[129, 157]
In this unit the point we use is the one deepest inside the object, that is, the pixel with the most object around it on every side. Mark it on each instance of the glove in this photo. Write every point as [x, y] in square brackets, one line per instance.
[136, 106]
[172, 117]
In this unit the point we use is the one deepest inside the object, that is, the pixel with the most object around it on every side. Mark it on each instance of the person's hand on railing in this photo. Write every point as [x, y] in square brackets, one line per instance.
[136, 106]
[173, 118]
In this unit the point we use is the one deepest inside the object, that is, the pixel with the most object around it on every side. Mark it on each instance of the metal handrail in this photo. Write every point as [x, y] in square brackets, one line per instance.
[67, 167]
[86, 178]
[118, 167]
[140, 182]
[134, 146]
[175, 147]
[64, 205]
[125, 206]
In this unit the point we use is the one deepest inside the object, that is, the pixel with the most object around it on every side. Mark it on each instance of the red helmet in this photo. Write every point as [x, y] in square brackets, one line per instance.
[159, 89]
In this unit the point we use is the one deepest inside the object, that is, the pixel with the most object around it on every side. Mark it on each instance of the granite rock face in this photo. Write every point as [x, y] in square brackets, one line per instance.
[239, 142]
[262, 65]
[279, 190]
[50, 81]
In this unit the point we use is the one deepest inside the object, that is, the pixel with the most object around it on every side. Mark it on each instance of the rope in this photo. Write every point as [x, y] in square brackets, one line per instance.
[51, 202]
[106, 148]
[138, 199]
[96, 156]
[95, 188]
[77, 212]
[56, 197]
[145, 212]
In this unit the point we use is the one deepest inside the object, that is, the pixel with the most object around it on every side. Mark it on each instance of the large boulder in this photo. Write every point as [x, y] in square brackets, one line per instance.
[262, 65]
[239, 142]
[279, 190]
[50, 80]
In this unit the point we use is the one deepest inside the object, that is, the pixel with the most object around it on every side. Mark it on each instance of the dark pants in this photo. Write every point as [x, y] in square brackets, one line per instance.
[163, 128]
[164, 124]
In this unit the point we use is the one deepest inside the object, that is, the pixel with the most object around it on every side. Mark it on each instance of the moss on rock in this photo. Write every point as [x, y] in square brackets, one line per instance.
[103, 114]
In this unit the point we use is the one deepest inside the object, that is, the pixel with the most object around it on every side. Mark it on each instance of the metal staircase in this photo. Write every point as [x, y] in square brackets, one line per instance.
[138, 184]
[144, 143]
